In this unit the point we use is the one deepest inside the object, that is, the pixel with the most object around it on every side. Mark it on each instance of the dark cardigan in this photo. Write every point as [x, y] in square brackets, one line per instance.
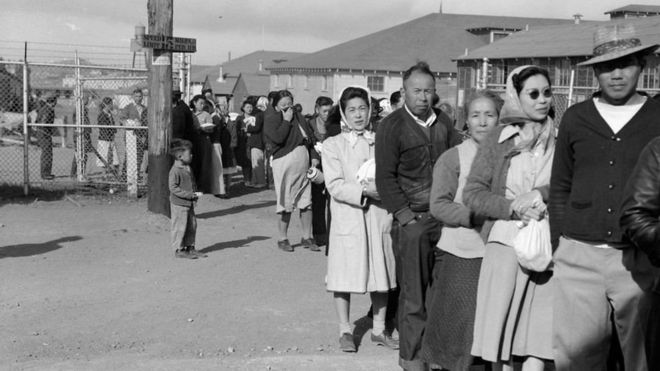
[405, 156]
[590, 168]
[486, 185]
[284, 136]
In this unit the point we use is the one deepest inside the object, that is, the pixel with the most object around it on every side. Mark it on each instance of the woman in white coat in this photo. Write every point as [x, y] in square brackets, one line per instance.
[361, 258]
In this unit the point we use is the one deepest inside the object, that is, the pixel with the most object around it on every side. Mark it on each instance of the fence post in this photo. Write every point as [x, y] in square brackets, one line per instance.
[80, 145]
[26, 133]
[570, 89]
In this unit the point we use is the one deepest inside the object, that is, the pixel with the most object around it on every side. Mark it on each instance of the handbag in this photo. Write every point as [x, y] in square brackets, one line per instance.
[532, 245]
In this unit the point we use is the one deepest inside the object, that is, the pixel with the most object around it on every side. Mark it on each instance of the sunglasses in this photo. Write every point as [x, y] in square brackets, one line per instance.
[534, 94]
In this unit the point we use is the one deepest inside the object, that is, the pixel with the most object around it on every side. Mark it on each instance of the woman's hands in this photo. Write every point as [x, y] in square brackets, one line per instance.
[529, 206]
[287, 114]
[208, 129]
[370, 191]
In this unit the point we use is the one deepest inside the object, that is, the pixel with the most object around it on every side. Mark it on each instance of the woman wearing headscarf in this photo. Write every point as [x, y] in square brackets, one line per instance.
[509, 184]
[290, 139]
[453, 297]
[361, 259]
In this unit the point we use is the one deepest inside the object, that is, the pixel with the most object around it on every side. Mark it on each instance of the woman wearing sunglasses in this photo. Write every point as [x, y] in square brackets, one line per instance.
[509, 184]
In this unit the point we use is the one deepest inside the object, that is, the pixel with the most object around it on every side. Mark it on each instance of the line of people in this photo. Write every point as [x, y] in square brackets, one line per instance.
[440, 229]
[446, 221]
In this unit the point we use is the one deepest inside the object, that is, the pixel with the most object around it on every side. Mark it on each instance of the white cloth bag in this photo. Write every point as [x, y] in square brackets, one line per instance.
[533, 247]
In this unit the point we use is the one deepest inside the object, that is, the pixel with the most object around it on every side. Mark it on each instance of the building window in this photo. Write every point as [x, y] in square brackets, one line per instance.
[465, 80]
[289, 81]
[324, 83]
[649, 78]
[275, 80]
[376, 83]
[584, 77]
[563, 72]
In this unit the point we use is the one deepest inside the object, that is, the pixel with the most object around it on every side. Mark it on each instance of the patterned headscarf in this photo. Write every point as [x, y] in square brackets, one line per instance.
[512, 111]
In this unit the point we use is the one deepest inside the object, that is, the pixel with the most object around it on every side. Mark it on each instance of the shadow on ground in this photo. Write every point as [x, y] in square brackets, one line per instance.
[29, 249]
[362, 325]
[233, 244]
[235, 209]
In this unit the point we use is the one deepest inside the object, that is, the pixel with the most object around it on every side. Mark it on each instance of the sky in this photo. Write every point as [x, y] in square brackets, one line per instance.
[240, 27]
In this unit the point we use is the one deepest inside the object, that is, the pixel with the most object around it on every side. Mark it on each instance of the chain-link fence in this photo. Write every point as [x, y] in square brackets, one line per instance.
[73, 124]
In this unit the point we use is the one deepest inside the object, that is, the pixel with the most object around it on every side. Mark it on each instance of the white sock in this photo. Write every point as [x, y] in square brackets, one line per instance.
[378, 327]
[344, 327]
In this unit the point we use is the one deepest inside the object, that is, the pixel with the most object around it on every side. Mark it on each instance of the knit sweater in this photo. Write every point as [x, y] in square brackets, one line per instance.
[284, 136]
[590, 168]
[485, 190]
[405, 156]
[182, 186]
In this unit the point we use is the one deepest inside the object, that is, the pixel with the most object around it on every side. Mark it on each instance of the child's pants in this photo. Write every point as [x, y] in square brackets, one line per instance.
[184, 226]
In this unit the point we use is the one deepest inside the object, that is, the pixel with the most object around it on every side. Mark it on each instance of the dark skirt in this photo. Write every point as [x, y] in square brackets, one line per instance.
[452, 303]
[241, 152]
[227, 151]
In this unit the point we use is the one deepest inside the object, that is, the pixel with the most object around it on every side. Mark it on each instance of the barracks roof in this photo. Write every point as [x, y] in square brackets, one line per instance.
[572, 40]
[434, 38]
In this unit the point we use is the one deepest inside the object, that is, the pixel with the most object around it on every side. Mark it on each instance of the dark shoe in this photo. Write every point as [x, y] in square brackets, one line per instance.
[346, 343]
[309, 243]
[184, 254]
[285, 245]
[385, 340]
[191, 250]
[223, 196]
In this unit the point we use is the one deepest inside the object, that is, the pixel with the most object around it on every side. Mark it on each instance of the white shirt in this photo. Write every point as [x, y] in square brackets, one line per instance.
[617, 116]
[429, 121]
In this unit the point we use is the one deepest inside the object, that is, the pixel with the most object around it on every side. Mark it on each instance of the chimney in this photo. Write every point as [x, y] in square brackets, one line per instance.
[229, 56]
[221, 76]
[577, 17]
[261, 65]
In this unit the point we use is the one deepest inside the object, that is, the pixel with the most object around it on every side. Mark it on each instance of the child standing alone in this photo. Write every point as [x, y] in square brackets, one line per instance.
[182, 201]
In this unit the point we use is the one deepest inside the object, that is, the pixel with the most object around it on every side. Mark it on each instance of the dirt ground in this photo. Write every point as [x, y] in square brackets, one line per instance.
[90, 283]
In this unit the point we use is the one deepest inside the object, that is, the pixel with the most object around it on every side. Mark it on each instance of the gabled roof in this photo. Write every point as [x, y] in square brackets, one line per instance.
[573, 40]
[248, 63]
[256, 84]
[434, 38]
[636, 8]
[225, 87]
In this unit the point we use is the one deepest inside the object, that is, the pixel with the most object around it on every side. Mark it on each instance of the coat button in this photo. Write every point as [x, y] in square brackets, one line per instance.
[609, 233]
[613, 137]
[609, 210]
[611, 186]
[611, 162]
[618, 139]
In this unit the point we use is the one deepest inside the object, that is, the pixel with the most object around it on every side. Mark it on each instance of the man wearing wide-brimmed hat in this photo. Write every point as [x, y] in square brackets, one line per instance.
[598, 274]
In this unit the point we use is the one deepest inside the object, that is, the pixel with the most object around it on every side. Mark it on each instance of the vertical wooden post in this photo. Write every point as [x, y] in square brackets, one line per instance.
[160, 108]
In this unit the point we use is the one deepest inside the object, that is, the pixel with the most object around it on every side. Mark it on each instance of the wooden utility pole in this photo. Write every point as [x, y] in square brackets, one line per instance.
[160, 108]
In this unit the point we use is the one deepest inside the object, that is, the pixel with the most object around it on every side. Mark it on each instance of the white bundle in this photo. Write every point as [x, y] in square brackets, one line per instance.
[532, 245]
[367, 172]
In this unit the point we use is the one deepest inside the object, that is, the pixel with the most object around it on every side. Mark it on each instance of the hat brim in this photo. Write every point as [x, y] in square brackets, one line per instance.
[618, 54]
